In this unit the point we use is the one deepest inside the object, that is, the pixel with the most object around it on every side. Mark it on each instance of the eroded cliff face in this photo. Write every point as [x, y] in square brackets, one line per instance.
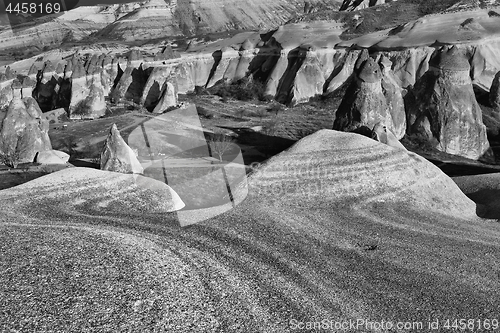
[442, 107]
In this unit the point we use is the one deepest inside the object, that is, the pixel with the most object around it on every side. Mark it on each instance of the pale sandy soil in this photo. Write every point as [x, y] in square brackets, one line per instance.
[303, 246]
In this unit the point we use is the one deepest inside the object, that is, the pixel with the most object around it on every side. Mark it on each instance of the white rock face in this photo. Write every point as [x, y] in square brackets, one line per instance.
[382, 134]
[87, 94]
[23, 132]
[117, 156]
[52, 157]
[168, 99]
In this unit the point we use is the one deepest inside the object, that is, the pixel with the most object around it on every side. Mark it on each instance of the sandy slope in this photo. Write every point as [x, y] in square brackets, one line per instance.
[376, 253]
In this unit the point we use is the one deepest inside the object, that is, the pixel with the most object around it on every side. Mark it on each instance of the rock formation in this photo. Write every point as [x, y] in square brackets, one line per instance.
[168, 98]
[47, 87]
[131, 84]
[152, 90]
[364, 103]
[87, 93]
[442, 107]
[384, 135]
[52, 157]
[394, 97]
[23, 131]
[117, 156]
[495, 93]
[336, 167]
[350, 5]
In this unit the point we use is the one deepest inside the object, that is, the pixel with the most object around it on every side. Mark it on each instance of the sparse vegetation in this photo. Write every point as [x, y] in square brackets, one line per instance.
[205, 113]
[244, 90]
[220, 143]
[9, 158]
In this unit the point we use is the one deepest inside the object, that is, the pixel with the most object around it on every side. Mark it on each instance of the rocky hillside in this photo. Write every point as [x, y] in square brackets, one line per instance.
[350, 5]
[299, 61]
[151, 19]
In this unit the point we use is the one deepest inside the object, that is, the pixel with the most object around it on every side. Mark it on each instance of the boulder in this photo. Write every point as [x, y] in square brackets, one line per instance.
[117, 156]
[52, 157]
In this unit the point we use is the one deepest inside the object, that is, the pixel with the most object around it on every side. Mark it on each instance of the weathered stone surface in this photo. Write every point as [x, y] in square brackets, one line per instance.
[131, 84]
[166, 54]
[52, 157]
[153, 89]
[117, 156]
[394, 97]
[309, 79]
[351, 5]
[346, 62]
[168, 98]
[23, 133]
[45, 91]
[443, 107]
[364, 103]
[27, 87]
[386, 136]
[87, 92]
[54, 116]
[495, 93]
[195, 71]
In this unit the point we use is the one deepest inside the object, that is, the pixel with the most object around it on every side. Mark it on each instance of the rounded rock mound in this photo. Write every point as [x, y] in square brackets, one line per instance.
[95, 191]
[346, 168]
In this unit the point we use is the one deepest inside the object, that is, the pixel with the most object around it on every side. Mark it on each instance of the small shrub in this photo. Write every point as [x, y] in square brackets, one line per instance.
[219, 144]
[10, 159]
[243, 90]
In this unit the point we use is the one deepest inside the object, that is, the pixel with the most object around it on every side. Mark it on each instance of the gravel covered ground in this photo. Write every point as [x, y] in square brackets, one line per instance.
[274, 262]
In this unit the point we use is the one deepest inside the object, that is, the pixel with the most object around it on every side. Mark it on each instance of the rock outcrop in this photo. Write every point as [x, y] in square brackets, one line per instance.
[394, 97]
[384, 135]
[336, 167]
[23, 131]
[52, 157]
[168, 98]
[117, 156]
[364, 103]
[152, 91]
[350, 5]
[130, 85]
[87, 92]
[442, 107]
